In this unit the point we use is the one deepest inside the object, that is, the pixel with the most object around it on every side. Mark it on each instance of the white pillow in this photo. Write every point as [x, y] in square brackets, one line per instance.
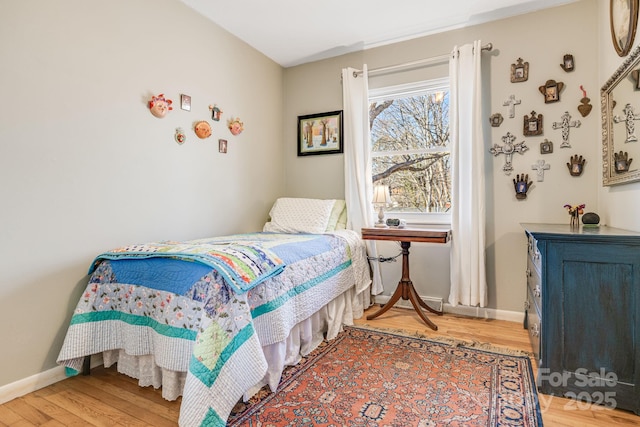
[339, 207]
[298, 215]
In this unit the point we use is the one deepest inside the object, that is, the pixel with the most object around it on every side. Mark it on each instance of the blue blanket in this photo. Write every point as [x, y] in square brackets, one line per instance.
[243, 265]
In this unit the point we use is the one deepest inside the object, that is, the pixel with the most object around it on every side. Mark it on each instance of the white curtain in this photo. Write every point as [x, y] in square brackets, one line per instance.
[357, 160]
[468, 277]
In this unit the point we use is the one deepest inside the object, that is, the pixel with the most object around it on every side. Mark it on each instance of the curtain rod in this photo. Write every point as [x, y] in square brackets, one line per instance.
[421, 62]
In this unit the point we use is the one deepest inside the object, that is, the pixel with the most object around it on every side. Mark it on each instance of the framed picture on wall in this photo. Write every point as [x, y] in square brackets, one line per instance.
[320, 133]
[623, 18]
[185, 102]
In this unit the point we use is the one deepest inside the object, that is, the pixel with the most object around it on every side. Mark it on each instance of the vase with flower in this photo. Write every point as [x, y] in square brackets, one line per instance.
[575, 211]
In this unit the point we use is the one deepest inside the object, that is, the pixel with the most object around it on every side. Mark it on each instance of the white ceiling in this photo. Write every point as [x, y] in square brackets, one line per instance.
[293, 32]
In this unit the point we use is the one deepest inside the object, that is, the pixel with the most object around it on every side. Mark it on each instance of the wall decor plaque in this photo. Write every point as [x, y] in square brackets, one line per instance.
[519, 71]
[532, 124]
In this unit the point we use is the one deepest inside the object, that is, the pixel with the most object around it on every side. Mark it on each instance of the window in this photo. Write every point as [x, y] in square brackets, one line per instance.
[410, 146]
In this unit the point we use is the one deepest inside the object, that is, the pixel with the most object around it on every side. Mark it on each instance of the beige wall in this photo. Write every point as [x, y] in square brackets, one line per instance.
[85, 167]
[540, 38]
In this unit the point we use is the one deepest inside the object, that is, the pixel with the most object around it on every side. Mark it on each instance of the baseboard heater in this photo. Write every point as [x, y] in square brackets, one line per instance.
[434, 302]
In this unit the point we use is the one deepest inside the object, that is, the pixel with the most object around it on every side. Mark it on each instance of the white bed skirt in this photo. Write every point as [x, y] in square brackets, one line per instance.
[303, 338]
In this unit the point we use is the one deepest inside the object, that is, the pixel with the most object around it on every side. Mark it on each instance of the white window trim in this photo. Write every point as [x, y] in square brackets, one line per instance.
[408, 89]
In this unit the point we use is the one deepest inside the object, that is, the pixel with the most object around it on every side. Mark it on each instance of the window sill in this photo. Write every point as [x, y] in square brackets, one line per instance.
[421, 219]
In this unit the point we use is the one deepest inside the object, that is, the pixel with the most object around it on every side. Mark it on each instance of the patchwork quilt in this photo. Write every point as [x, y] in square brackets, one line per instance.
[206, 307]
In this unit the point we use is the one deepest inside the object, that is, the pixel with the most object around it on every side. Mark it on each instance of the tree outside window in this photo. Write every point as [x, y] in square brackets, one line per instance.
[410, 145]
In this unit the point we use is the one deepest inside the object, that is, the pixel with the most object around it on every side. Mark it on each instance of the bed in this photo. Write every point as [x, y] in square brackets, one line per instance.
[213, 320]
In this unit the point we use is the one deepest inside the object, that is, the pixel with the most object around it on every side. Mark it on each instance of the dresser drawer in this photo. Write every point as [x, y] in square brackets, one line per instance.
[534, 323]
[533, 252]
[534, 283]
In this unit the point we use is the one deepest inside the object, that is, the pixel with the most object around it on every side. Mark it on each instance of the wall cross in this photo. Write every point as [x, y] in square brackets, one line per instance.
[540, 166]
[565, 124]
[629, 117]
[508, 149]
[511, 103]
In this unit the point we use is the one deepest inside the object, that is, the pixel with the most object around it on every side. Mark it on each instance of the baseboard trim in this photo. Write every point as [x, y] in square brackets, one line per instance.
[36, 382]
[463, 310]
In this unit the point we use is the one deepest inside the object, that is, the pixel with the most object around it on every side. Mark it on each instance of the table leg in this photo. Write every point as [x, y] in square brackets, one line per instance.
[406, 291]
[394, 299]
[414, 298]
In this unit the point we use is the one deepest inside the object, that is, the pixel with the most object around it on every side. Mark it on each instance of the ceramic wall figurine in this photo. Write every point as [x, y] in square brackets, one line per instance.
[584, 107]
[180, 136]
[160, 106]
[235, 126]
[202, 129]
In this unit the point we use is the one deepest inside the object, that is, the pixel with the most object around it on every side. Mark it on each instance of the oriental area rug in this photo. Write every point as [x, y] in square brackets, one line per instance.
[367, 377]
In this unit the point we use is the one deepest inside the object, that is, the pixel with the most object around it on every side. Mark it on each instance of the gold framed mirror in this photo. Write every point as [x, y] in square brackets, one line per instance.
[620, 100]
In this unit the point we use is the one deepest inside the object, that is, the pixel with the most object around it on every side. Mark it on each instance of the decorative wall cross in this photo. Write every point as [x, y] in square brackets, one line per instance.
[508, 149]
[540, 166]
[511, 103]
[629, 117]
[565, 124]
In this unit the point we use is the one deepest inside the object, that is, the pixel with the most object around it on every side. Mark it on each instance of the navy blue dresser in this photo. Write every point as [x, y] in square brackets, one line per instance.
[582, 311]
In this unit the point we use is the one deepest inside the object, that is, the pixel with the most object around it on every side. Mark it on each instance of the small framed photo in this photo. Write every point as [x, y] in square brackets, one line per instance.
[546, 147]
[533, 124]
[185, 102]
[519, 71]
[320, 133]
[222, 145]
[551, 91]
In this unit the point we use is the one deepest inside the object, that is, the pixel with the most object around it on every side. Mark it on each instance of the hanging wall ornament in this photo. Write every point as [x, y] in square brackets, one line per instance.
[519, 71]
[551, 91]
[546, 147]
[508, 149]
[533, 124]
[160, 106]
[202, 129]
[185, 102]
[496, 120]
[576, 165]
[235, 125]
[215, 112]
[566, 124]
[584, 107]
[521, 184]
[511, 103]
[180, 136]
[567, 63]
[540, 166]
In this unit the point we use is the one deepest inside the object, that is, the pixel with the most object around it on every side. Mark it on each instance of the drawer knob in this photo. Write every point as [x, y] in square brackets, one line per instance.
[537, 291]
[535, 331]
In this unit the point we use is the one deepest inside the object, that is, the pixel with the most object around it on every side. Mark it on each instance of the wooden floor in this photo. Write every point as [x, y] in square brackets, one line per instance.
[106, 398]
